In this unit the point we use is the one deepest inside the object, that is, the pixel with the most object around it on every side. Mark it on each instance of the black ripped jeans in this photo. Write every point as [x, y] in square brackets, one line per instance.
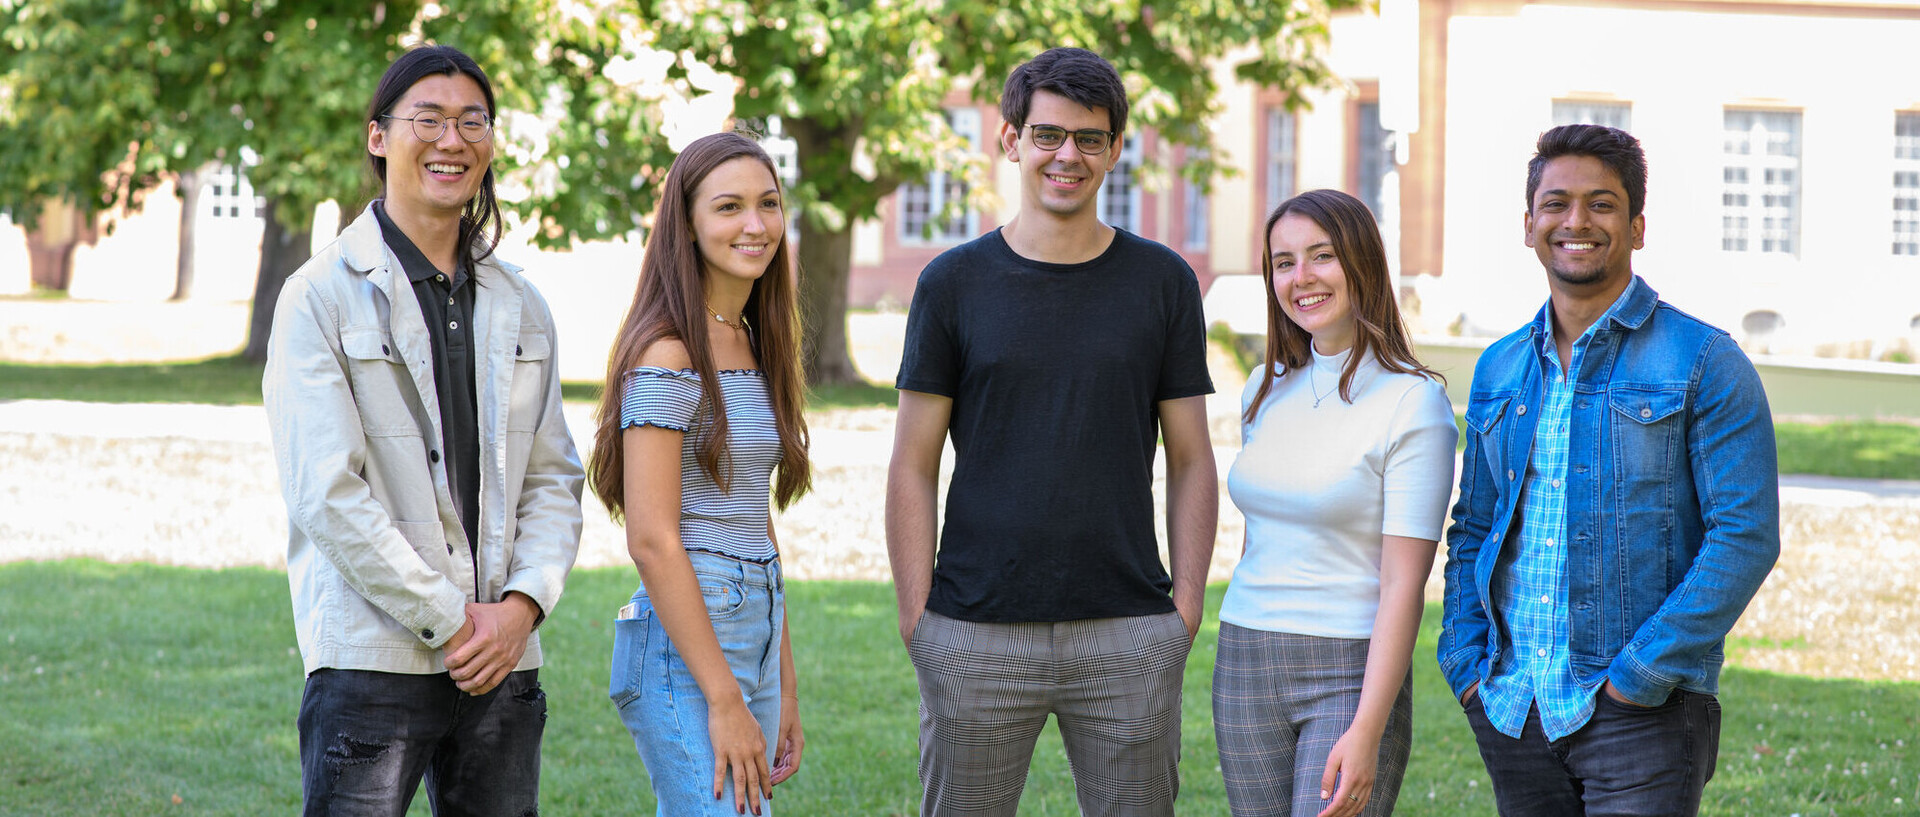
[367, 738]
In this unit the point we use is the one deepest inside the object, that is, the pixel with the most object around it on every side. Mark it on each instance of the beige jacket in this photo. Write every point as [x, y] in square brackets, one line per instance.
[378, 561]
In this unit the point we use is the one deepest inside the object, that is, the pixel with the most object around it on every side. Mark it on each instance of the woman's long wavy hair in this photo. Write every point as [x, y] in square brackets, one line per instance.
[671, 303]
[1378, 330]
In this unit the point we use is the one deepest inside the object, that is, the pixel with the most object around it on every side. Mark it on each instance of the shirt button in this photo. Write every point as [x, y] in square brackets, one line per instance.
[449, 301]
[1543, 653]
[453, 324]
[426, 634]
[433, 455]
[1645, 413]
[1523, 411]
[1549, 543]
[1545, 600]
[1556, 483]
[1509, 473]
[442, 277]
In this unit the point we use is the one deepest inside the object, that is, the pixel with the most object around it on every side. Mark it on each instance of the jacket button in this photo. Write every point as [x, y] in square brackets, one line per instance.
[433, 455]
[426, 634]
[1523, 411]
[1645, 413]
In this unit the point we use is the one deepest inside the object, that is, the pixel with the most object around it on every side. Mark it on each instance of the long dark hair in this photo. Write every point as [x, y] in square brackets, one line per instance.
[1378, 329]
[480, 224]
[670, 303]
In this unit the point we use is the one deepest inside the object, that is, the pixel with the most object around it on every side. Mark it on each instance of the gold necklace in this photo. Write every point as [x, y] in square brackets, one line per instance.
[738, 324]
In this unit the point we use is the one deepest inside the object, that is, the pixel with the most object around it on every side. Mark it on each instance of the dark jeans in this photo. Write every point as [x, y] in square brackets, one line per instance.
[1627, 760]
[366, 738]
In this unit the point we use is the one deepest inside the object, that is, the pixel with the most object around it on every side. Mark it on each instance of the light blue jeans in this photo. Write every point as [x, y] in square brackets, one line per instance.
[661, 704]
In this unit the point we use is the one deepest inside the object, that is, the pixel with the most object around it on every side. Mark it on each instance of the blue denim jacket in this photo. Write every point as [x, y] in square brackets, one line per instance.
[1673, 510]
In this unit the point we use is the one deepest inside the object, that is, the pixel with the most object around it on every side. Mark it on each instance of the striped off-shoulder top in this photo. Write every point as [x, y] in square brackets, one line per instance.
[731, 523]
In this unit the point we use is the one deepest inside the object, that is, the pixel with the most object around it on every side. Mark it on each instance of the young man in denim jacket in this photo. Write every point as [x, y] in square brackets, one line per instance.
[433, 492]
[1618, 509]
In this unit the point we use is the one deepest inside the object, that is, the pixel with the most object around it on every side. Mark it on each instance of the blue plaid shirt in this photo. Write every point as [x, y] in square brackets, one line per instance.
[1530, 591]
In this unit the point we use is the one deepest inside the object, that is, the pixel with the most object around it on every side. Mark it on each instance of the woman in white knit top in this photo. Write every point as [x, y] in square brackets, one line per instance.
[1344, 473]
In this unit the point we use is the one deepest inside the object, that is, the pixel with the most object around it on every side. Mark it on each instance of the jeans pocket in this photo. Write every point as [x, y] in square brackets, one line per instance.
[723, 596]
[630, 637]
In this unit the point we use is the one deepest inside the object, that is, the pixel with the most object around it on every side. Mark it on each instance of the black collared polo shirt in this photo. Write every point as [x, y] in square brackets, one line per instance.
[446, 302]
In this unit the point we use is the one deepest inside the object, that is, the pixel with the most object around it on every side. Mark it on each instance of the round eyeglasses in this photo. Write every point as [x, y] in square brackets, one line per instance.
[428, 127]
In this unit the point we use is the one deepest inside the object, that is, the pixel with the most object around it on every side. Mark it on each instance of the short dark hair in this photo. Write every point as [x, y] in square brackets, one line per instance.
[480, 221]
[1615, 148]
[1075, 73]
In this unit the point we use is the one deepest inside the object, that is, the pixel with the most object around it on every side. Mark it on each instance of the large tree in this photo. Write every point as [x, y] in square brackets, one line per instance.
[860, 86]
[143, 88]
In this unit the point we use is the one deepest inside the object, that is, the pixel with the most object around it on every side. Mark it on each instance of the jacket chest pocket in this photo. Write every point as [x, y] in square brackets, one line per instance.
[1487, 422]
[1648, 428]
[532, 358]
[382, 386]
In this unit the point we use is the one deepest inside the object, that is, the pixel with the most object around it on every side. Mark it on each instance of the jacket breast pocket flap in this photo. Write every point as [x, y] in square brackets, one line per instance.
[1483, 414]
[533, 346]
[380, 381]
[1647, 405]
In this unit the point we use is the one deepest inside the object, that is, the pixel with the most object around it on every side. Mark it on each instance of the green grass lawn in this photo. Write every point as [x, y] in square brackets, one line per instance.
[231, 381]
[126, 686]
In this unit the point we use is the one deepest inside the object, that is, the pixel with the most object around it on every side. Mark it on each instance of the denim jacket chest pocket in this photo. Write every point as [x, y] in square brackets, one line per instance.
[1645, 436]
[1487, 419]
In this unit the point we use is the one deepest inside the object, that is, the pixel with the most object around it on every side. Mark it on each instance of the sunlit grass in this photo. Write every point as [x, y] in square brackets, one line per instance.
[135, 684]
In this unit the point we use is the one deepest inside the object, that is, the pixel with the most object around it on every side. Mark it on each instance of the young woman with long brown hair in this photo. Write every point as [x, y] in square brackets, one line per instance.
[700, 423]
[1345, 466]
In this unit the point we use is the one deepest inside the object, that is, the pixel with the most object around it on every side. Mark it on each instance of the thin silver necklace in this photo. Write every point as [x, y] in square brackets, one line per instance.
[1317, 396]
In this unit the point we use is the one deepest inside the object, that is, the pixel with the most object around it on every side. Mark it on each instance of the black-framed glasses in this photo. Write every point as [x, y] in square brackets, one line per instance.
[472, 127]
[1090, 141]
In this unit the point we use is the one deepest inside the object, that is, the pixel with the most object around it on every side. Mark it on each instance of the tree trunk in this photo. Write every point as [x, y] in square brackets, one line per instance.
[282, 251]
[188, 187]
[59, 228]
[825, 259]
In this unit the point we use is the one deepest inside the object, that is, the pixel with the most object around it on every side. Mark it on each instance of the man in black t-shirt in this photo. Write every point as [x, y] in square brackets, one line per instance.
[1055, 351]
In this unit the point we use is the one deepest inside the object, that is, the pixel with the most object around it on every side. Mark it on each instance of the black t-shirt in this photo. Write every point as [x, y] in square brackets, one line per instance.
[1055, 371]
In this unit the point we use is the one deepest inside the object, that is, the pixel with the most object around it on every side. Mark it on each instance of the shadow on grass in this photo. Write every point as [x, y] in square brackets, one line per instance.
[136, 683]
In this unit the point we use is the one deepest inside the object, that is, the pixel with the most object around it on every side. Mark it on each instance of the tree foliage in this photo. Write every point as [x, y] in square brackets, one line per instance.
[99, 98]
[861, 85]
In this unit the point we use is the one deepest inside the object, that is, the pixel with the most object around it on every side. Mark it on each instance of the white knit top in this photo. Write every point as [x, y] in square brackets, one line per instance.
[1320, 486]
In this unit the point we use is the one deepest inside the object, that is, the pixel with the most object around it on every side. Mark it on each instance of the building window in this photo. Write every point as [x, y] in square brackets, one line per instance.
[1760, 182]
[1279, 156]
[1198, 207]
[936, 211]
[1374, 155]
[229, 194]
[1197, 226]
[1120, 196]
[1578, 112]
[1906, 183]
